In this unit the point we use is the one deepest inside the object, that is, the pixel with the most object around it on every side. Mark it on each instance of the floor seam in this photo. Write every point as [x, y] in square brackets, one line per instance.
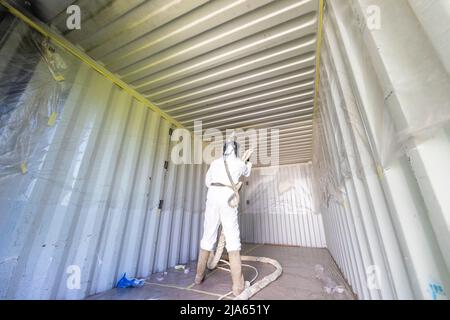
[189, 288]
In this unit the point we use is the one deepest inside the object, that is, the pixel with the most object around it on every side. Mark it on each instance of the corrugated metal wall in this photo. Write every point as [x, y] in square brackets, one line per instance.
[277, 207]
[382, 145]
[91, 194]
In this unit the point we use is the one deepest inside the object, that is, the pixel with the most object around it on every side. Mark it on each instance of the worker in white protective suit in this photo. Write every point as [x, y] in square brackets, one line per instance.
[219, 211]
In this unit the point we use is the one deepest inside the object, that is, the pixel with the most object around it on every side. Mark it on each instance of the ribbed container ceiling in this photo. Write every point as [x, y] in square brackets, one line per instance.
[231, 64]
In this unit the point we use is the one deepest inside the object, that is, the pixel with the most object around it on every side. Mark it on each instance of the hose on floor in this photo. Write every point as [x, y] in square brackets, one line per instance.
[248, 292]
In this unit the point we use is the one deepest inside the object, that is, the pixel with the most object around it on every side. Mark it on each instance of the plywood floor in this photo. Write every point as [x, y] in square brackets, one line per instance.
[298, 281]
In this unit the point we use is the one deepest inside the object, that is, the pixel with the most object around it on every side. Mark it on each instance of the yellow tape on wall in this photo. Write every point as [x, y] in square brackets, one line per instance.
[52, 119]
[23, 167]
[319, 46]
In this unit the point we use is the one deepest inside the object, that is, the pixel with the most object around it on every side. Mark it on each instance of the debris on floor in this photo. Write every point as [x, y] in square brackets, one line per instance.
[329, 285]
[298, 282]
[182, 267]
[161, 276]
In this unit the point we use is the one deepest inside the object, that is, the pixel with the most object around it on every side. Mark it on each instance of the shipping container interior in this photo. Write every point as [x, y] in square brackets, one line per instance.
[110, 110]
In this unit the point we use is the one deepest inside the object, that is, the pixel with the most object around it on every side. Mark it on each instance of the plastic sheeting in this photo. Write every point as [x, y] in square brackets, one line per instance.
[84, 191]
[32, 91]
[382, 146]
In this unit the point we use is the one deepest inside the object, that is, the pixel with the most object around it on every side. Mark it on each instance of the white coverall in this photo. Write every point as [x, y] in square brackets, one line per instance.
[218, 210]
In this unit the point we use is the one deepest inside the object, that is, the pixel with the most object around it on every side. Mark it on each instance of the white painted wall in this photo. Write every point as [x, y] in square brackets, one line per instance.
[277, 207]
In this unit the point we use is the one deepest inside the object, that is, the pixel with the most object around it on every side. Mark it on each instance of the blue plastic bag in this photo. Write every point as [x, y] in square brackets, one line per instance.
[129, 283]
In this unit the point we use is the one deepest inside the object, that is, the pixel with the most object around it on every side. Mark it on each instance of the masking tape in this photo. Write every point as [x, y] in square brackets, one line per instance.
[380, 171]
[52, 119]
[318, 49]
[23, 167]
[58, 77]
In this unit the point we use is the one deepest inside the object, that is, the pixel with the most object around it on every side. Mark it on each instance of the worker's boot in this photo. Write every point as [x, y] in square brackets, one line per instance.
[201, 265]
[236, 272]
